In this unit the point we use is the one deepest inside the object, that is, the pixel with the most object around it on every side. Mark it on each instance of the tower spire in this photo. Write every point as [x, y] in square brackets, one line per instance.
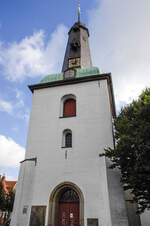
[77, 53]
[79, 12]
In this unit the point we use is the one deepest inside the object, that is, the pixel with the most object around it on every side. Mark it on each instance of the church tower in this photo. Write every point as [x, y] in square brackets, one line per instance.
[63, 181]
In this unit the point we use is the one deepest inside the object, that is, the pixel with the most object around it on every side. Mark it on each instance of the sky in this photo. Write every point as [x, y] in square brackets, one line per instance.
[33, 38]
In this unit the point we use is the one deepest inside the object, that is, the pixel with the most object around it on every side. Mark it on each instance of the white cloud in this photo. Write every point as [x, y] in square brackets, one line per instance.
[19, 93]
[19, 97]
[24, 114]
[16, 108]
[6, 106]
[31, 57]
[120, 37]
[11, 153]
[20, 104]
[20, 110]
[10, 178]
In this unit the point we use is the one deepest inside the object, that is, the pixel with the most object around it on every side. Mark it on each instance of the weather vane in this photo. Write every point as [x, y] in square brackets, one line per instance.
[79, 12]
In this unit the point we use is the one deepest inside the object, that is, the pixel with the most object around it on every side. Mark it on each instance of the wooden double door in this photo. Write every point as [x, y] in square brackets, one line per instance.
[68, 209]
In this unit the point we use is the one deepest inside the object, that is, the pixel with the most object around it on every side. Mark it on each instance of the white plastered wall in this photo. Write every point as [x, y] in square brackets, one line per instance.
[91, 132]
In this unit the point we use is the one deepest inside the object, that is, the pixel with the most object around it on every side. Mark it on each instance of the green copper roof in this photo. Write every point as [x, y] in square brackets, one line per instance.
[52, 78]
[80, 72]
[83, 72]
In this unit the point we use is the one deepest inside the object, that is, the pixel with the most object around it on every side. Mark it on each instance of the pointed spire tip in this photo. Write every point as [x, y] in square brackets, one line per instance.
[79, 12]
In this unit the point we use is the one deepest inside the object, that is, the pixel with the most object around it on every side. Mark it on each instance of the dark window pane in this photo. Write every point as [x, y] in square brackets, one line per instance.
[68, 140]
[69, 195]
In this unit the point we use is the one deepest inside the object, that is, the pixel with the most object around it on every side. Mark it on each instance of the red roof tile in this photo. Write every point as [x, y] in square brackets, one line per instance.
[10, 184]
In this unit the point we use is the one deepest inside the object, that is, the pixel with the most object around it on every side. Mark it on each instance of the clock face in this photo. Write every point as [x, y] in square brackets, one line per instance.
[75, 62]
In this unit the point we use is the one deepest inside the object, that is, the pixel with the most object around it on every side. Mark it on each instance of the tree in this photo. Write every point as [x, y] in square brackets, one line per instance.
[2, 201]
[1, 195]
[131, 153]
[9, 201]
[6, 204]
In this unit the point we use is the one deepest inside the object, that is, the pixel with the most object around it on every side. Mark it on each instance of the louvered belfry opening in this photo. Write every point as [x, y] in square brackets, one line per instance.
[69, 108]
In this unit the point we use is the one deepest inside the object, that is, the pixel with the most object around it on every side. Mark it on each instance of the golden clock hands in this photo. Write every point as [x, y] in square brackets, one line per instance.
[74, 62]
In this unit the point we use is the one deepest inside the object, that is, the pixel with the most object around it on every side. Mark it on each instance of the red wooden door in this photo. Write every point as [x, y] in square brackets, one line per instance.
[68, 213]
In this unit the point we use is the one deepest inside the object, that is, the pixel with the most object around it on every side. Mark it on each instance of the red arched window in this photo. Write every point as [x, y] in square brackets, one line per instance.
[69, 108]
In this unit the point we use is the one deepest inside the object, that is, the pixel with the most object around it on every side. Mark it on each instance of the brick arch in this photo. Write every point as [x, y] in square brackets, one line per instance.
[54, 202]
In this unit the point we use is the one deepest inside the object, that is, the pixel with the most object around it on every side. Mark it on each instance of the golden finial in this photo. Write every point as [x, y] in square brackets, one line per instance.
[79, 11]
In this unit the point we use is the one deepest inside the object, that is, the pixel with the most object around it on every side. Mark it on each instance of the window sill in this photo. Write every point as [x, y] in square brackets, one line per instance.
[67, 116]
[66, 147]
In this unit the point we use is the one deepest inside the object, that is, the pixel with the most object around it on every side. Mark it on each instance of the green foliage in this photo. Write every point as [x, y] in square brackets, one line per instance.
[6, 204]
[2, 197]
[9, 201]
[132, 150]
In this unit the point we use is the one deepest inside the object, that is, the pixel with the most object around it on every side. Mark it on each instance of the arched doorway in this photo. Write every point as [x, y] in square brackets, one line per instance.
[66, 206]
[68, 213]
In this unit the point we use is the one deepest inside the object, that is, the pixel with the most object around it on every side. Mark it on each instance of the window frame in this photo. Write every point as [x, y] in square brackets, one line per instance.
[62, 102]
[65, 132]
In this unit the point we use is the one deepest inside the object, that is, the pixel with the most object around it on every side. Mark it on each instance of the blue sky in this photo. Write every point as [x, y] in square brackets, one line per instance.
[33, 36]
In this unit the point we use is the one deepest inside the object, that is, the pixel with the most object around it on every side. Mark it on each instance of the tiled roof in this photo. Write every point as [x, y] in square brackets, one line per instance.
[7, 185]
[10, 184]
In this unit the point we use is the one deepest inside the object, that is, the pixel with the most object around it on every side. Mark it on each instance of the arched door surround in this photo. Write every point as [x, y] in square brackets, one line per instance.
[54, 202]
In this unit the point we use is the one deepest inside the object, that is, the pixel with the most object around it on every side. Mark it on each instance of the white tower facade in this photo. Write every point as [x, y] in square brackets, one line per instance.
[63, 181]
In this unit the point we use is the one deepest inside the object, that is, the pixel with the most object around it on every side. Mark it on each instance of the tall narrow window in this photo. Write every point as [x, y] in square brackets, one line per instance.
[69, 108]
[68, 140]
